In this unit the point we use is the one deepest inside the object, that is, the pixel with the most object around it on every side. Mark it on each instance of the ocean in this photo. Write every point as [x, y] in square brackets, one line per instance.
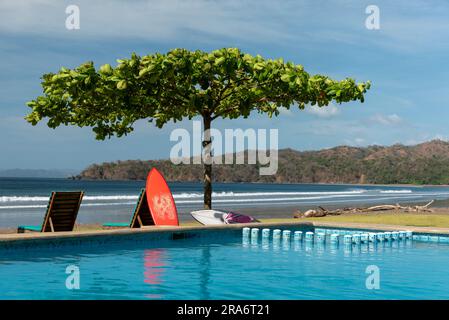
[24, 200]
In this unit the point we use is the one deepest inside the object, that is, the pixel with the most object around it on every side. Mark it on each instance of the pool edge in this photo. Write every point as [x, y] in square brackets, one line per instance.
[25, 237]
[383, 227]
[11, 238]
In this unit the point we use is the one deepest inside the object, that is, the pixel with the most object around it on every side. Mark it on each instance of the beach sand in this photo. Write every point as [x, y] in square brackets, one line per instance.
[438, 218]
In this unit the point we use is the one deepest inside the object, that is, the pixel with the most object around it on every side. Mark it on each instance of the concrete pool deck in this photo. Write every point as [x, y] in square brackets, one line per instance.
[26, 237]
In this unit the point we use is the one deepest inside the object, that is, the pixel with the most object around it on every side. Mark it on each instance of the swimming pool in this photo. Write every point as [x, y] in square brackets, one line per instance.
[218, 264]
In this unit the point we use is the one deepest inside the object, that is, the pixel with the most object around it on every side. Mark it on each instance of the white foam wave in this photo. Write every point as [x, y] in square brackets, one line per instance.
[85, 198]
[30, 202]
[198, 195]
[82, 205]
[116, 197]
[396, 191]
[264, 194]
[23, 207]
[266, 199]
[22, 199]
[327, 198]
[185, 195]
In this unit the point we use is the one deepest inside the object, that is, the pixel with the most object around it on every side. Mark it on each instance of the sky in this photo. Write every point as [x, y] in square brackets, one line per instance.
[405, 60]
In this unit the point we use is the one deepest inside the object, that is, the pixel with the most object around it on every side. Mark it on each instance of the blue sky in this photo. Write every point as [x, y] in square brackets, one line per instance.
[406, 61]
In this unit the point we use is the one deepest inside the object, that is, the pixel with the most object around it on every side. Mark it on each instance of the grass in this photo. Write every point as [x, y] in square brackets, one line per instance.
[404, 219]
[392, 218]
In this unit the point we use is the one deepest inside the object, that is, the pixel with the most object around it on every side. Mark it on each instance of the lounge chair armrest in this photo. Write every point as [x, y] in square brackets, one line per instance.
[116, 225]
[22, 229]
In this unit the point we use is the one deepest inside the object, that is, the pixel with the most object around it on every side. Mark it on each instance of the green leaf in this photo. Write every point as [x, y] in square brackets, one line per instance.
[220, 61]
[106, 69]
[121, 85]
[285, 77]
[259, 66]
[143, 72]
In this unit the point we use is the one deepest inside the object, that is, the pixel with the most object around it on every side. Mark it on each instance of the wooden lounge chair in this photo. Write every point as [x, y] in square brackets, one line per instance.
[141, 216]
[61, 213]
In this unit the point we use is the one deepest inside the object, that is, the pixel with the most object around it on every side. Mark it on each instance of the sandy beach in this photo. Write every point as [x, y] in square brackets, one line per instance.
[438, 218]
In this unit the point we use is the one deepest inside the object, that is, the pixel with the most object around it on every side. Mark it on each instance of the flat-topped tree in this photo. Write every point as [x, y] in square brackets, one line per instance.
[225, 83]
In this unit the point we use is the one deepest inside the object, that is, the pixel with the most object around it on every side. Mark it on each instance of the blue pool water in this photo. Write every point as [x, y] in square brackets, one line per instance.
[218, 265]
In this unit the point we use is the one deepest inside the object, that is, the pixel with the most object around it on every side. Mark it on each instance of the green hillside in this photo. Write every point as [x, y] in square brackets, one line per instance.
[426, 163]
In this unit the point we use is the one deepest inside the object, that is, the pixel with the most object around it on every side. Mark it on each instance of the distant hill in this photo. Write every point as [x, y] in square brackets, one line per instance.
[36, 173]
[426, 163]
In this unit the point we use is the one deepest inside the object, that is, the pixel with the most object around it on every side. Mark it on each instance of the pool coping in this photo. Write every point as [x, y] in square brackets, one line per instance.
[31, 236]
[382, 227]
[25, 237]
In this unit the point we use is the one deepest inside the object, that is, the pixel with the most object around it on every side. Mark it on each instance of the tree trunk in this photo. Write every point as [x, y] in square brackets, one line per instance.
[207, 158]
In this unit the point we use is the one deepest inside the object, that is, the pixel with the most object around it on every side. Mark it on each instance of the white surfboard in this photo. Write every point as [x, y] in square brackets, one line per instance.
[209, 217]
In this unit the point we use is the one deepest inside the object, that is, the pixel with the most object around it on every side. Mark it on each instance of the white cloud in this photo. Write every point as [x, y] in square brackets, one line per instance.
[357, 142]
[422, 137]
[405, 25]
[153, 20]
[441, 137]
[323, 112]
[386, 120]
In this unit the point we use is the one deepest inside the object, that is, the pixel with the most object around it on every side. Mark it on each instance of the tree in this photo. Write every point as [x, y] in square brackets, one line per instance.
[224, 83]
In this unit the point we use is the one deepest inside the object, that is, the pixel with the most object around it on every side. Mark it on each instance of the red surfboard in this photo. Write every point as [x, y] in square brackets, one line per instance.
[160, 200]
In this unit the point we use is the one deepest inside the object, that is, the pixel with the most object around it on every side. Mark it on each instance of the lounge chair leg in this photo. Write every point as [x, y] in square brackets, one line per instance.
[51, 225]
[140, 221]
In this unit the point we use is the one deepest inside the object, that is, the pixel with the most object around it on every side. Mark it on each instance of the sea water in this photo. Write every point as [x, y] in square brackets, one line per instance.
[23, 201]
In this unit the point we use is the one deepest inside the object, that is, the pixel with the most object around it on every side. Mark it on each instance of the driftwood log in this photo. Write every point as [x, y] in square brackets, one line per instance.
[322, 212]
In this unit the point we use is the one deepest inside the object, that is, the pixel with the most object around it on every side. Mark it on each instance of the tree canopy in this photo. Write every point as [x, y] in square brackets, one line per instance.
[179, 84]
